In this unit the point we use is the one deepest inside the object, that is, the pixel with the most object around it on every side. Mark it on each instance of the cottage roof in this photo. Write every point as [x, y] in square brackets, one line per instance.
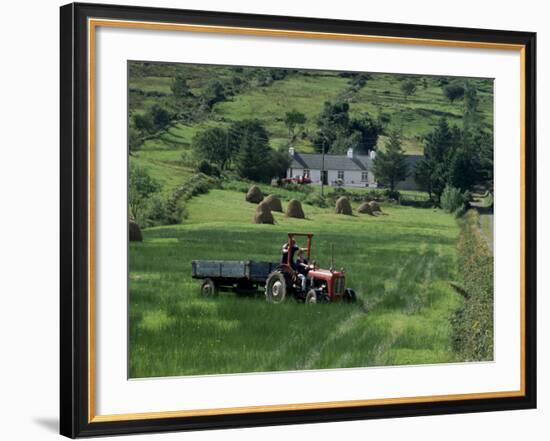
[314, 161]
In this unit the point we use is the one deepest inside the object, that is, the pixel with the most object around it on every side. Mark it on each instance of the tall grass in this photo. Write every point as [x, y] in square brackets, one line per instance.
[401, 266]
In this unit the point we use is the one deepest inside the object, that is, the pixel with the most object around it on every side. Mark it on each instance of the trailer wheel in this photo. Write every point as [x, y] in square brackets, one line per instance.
[349, 296]
[208, 288]
[275, 287]
[311, 297]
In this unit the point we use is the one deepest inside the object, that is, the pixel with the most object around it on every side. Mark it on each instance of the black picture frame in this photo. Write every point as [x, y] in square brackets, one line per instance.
[74, 191]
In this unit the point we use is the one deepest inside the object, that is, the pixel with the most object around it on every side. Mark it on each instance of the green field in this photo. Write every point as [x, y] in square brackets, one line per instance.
[401, 265]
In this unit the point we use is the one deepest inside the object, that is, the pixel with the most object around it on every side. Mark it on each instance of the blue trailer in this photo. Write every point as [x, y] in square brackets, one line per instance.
[231, 275]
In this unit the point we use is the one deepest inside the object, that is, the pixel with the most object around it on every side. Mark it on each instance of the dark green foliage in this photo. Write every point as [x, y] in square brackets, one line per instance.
[140, 187]
[213, 93]
[473, 323]
[292, 120]
[471, 103]
[318, 200]
[368, 129]
[453, 92]
[252, 159]
[432, 172]
[160, 116]
[278, 164]
[144, 122]
[135, 140]
[156, 118]
[180, 88]
[390, 166]
[408, 88]
[453, 200]
[208, 169]
[337, 132]
[393, 194]
[215, 145]
[464, 167]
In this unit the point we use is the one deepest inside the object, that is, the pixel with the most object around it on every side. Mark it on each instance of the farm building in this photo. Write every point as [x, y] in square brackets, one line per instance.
[350, 170]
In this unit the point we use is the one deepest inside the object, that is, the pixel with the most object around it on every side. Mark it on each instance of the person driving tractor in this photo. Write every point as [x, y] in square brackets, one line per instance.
[285, 253]
[302, 267]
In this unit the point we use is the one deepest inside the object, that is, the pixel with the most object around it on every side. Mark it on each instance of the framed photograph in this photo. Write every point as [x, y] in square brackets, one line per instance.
[273, 220]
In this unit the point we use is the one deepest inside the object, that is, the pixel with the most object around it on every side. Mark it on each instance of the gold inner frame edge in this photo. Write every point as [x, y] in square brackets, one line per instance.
[92, 24]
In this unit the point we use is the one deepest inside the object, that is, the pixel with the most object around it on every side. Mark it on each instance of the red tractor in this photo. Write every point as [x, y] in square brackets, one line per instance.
[320, 285]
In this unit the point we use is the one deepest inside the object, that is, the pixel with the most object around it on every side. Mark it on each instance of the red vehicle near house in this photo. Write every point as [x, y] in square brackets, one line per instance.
[298, 180]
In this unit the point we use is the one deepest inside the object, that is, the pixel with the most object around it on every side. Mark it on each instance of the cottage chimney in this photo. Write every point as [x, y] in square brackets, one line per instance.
[291, 151]
[350, 153]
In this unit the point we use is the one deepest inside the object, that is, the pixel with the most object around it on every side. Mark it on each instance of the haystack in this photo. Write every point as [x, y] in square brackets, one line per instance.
[294, 209]
[274, 203]
[254, 195]
[134, 231]
[365, 208]
[343, 206]
[263, 214]
[375, 206]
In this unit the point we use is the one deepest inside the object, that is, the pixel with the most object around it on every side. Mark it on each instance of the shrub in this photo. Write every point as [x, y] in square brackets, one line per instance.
[473, 323]
[453, 200]
[208, 169]
[392, 194]
[317, 200]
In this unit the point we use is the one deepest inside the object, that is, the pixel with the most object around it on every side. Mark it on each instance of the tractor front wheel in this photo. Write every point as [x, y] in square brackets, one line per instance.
[275, 287]
[311, 297]
[208, 288]
[349, 296]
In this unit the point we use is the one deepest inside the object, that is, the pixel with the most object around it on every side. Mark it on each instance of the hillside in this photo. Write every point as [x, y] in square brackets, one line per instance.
[266, 94]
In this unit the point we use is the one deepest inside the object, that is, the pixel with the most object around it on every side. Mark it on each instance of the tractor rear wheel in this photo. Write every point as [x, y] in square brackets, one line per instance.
[275, 287]
[311, 297]
[349, 296]
[208, 288]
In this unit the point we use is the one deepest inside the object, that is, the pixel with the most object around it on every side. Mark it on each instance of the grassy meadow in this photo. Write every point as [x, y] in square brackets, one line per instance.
[401, 265]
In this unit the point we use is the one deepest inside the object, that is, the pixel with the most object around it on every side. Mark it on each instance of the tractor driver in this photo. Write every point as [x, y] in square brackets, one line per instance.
[302, 266]
[288, 255]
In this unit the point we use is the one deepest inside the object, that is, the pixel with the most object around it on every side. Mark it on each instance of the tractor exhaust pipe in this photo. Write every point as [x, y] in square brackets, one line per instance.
[331, 257]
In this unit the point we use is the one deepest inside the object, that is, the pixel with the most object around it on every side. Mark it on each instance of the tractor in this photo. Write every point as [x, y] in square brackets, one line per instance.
[321, 285]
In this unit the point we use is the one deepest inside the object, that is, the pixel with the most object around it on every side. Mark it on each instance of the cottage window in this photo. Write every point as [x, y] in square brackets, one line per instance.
[341, 174]
[364, 176]
[306, 173]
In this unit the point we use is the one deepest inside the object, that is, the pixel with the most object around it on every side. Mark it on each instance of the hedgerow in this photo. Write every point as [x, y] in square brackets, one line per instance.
[473, 322]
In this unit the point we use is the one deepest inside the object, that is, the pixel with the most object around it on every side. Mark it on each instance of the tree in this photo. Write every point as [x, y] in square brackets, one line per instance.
[253, 157]
[144, 122]
[293, 119]
[279, 162]
[332, 123]
[471, 102]
[179, 87]
[337, 132]
[214, 145]
[154, 119]
[432, 172]
[408, 88]
[368, 128]
[160, 116]
[135, 140]
[390, 166]
[453, 92]
[140, 187]
[213, 93]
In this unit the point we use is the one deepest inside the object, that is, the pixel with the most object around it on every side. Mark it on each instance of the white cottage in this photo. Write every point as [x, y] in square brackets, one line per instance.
[350, 170]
